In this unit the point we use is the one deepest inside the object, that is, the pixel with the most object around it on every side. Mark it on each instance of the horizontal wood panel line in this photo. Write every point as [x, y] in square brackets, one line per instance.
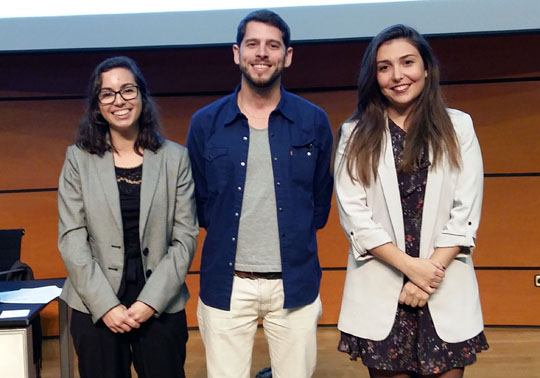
[11, 191]
[507, 268]
[486, 175]
[510, 268]
[294, 90]
[41, 98]
[520, 174]
[511, 326]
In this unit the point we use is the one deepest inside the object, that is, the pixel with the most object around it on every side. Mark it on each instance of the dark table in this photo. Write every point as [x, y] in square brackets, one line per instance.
[66, 350]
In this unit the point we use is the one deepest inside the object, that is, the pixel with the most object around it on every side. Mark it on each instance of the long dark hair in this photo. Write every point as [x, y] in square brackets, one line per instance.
[93, 135]
[430, 126]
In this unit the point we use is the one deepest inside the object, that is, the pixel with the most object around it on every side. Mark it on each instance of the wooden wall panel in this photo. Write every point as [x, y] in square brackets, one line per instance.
[332, 242]
[192, 70]
[34, 137]
[37, 214]
[506, 117]
[36, 129]
[192, 282]
[509, 297]
[509, 233]
[331, 293]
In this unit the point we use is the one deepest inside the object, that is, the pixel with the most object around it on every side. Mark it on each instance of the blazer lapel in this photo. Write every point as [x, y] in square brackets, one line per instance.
[431, 205]
[389, 182]
[107, 176]
[150, 175]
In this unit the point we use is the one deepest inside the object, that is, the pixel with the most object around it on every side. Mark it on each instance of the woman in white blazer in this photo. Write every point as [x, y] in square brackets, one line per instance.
[127, 232]
[409, 181]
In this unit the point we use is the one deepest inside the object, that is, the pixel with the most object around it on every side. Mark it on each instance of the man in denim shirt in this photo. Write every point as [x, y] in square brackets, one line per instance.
[261, 165]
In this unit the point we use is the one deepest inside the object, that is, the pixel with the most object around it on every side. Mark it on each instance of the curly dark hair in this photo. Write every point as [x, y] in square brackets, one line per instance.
[93, 135]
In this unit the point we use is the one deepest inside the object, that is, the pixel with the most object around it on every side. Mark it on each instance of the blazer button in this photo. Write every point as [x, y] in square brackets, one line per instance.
[148, 273]
[145, 252]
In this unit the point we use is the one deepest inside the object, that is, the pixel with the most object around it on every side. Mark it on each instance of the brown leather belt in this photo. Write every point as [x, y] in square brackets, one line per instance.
[257, 275]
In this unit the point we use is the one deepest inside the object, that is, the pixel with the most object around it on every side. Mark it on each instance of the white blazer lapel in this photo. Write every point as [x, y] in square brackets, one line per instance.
[107, 176]
[150, 175]
[431, 205]
[389, 183]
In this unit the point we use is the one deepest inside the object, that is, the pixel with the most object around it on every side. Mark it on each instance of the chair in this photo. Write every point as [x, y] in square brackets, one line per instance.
[11, 268]
[10, 251]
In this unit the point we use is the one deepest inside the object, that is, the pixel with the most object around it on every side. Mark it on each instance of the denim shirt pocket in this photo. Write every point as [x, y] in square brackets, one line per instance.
[218, 168]
[304, 153]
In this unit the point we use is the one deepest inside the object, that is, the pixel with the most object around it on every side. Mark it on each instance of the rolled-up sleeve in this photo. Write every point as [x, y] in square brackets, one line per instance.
[461, 228]
[355, 215]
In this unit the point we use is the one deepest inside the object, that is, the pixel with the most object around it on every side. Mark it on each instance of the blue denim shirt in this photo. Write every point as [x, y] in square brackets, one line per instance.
[300, 140]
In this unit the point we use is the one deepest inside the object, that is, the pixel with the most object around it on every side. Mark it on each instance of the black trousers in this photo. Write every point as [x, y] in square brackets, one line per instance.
[157, 349]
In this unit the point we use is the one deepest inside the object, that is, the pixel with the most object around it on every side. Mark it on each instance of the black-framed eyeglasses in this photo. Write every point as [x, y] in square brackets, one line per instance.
[108, 96]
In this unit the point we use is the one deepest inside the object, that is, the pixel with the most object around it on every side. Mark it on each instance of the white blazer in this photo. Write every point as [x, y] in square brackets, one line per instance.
[372, 216]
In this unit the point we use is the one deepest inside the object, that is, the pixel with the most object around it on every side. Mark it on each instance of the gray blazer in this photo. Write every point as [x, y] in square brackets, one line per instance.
[90, 236]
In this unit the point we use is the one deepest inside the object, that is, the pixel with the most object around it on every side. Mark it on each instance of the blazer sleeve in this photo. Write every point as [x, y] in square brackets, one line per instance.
[355, 214]
[461, 228]
[170, 273]
[84, 272]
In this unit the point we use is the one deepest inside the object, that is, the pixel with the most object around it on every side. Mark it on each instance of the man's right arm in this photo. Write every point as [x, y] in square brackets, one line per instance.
[196, 144]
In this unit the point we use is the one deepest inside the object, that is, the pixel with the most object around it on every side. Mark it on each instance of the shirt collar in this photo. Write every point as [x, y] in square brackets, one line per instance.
[284, 106]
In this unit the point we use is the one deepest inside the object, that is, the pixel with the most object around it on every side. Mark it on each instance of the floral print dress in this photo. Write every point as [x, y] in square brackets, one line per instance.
[413, 344]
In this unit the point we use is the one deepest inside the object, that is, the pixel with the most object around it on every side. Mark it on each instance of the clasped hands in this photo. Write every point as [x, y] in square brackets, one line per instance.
[120, 319]
[425, 276]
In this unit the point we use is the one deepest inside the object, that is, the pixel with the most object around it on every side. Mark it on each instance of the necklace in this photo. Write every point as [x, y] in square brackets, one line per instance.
[243, 109]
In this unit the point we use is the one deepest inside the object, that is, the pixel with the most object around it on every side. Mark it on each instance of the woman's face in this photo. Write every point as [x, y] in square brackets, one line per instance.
[121, 114]
[400, 73]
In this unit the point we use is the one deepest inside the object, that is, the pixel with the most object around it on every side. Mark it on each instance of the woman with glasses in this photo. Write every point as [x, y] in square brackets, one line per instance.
[127, 232]
[409, 184]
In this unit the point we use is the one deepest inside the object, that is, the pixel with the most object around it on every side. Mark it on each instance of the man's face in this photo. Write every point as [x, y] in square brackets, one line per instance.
[262, 55]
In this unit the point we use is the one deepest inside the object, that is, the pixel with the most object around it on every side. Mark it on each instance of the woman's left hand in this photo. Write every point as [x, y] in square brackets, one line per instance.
[412, 295]
[140, 312]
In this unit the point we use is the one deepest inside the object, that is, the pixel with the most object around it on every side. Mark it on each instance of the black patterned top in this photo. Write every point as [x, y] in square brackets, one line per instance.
[129, 187]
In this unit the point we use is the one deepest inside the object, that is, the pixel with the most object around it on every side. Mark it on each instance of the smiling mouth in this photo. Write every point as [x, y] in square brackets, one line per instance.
[260, 66]
[401, 88]
[122, 112]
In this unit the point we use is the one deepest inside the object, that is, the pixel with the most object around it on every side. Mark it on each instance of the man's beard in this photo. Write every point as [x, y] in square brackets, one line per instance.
[261, 83]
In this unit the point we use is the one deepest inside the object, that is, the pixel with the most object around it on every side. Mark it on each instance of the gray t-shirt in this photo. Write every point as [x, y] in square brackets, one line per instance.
[258, 239]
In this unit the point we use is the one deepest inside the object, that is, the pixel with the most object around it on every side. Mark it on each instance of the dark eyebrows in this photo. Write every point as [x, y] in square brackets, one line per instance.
[247, 40]
[409, 56]
[121, 87]
[387, 61]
